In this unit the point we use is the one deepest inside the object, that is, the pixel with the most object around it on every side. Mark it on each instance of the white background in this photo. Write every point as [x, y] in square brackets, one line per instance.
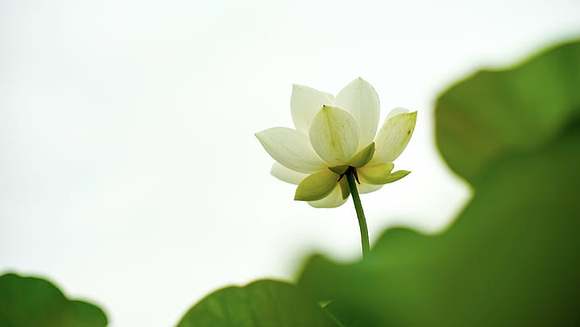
[129, 172]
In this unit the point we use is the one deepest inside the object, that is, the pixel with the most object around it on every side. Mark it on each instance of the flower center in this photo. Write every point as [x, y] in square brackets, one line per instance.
[350, 169]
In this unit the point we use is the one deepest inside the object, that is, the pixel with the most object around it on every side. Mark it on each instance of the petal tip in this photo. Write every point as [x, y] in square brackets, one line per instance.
[258, 135]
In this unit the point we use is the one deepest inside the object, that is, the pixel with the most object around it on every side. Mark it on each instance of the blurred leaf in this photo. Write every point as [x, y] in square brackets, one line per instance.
[494, 113]
[263, 303]
[28, 301]
[84, 314]
[343, 318]
[512, 258]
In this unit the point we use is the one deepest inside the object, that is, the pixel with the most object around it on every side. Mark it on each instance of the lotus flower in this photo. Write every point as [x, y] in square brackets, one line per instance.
[334, 135]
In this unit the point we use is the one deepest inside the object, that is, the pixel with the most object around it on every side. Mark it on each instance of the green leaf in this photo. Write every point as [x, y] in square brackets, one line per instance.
[29, 301]
[494, 113]
[512, 257]
[259, 304]
[342, 318]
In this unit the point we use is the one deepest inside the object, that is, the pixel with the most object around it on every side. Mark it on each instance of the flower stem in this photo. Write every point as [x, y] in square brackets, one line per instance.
[362, 222]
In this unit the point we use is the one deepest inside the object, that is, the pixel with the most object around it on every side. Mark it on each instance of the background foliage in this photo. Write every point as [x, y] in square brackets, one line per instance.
[29, 301]
[510, 259]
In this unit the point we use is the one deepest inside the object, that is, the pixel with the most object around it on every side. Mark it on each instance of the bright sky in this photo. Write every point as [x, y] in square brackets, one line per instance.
[129, 171]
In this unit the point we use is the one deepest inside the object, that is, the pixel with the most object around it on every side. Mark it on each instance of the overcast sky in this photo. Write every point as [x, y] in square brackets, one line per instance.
[129, 170]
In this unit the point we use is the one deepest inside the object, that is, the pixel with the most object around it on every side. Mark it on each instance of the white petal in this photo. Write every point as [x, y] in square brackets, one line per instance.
[290, 148]
[333, 200]
[394, 136]
[305, 103]
[334, 135]
[287, 175]
[364, 188]
[397, 111]
[360, 99]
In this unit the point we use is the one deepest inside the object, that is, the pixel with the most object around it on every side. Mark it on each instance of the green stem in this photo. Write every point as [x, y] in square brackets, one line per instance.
[362, 222]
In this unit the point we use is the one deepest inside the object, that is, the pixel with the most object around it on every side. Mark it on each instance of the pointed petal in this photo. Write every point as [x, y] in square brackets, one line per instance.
[290, 148]
[364, 188]
[305, 103]
[316, 186]
[338, 169]
[375, 173]
[333, 200]
[344, 188]
[360, 99]
[363, 156]
[287, 175]
[394, 136]
[398, 175]
[334, 135]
